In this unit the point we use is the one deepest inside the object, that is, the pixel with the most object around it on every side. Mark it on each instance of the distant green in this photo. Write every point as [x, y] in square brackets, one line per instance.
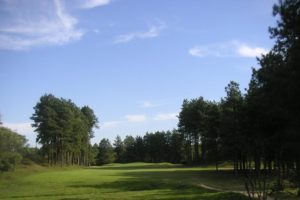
[119, 181]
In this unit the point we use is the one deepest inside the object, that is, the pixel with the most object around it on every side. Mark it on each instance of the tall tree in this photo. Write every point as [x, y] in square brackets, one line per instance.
[155, 145]
[176, 147]
[91, 122]
[94, 154]
[106, 152]
[119, 149]
[212, 131]
[192, 124]
[232, 135]
[64, 130]
[273, 96]
[129, 146]
[140, 151]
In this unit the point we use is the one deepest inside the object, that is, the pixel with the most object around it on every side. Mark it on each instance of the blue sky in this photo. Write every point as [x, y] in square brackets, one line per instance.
[132, 61]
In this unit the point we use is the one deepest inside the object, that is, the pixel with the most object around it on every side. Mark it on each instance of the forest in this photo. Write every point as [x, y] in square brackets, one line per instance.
[256, 130]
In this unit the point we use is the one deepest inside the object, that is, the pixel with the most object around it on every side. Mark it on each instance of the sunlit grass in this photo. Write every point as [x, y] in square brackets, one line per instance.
[118, 181]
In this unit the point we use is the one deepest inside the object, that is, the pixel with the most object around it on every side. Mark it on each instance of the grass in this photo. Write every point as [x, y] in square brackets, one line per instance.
[119, 181]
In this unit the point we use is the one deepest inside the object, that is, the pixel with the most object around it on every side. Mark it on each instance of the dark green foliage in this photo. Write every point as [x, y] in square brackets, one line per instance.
[175, 147]
[153, 147]
[199, 122]
[139, 149]
[9, 160]
[11, 148]
[260, 129]
[32, 154]
[64, 130]
[155, 144]
[105, 153]
[273, 100]
[119, 149]
[93, 154]
[191, 124]
[129, 149]
[232, 135]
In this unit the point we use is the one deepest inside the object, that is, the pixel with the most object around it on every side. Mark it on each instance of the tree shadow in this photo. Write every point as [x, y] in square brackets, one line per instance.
[173, 185]
[139, 167]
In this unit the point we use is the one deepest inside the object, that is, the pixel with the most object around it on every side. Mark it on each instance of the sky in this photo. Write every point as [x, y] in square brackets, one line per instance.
[132, 61]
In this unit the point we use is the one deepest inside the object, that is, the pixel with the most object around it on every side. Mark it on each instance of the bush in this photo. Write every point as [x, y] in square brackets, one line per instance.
[9, 160]
[11, 146]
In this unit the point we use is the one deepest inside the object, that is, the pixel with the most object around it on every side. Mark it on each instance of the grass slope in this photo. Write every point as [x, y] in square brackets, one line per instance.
[119, 181]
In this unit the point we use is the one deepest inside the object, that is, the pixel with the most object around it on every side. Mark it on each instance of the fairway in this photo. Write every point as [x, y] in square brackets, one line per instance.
[119, 181]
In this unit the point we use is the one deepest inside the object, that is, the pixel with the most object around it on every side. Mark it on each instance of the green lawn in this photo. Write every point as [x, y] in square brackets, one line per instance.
[119, 181]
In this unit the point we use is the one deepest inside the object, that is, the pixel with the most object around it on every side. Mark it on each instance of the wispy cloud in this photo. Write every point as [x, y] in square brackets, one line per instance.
[247, 51]
[166, 116]
[126, 119]
[23, 128]
[197, 51]
[111, 124]
[136, 118]
[88, 4]
[25, 27]
[227, 49]
[152, 32]
[148, 104]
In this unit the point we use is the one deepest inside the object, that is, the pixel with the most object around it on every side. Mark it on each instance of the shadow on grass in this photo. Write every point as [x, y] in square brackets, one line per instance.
[173, 185]
[159, 190]
[139, 166]
[57, 196]
[132, 184]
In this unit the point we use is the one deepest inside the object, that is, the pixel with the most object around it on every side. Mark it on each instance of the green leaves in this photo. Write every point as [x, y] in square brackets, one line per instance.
[11, 147]
[106, 153]
[63, 128]
[199, 119]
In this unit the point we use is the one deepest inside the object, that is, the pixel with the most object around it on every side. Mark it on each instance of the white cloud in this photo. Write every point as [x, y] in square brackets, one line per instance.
[196, 51]
[247, 51]
[128, 118]
[40, 25]
[111, 124]
[166, 116]
[227, 49]
[87, 4]
[213, 50]
[136, 118]
[22, 128]
[148, 104]
[154, 31]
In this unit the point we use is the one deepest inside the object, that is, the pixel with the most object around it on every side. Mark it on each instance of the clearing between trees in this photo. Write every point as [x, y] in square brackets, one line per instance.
[121, 181]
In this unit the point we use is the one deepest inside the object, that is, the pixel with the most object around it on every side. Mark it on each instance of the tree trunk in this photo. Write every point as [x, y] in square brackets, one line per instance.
[257, 163]
[61, 155]
[244, 163]
[196, 148]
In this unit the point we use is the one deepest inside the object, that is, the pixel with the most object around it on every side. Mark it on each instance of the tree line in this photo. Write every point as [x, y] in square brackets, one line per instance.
[257, 130]
[261, 128]
[161, 146]
[64, 130]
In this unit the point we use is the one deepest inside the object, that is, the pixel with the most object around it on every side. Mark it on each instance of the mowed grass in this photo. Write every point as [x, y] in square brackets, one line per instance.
[119, 181]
